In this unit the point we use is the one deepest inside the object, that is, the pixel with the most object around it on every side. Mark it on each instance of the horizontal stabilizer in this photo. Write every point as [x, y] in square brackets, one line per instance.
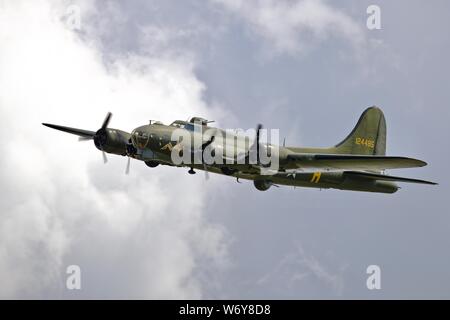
[353, 162]
[375, 176]
[79, 132]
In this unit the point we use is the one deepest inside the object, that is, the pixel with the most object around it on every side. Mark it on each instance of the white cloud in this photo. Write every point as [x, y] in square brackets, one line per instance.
[138, 236]
[294, 27]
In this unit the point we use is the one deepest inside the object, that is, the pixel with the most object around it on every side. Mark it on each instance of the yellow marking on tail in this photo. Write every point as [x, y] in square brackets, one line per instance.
[365, 142]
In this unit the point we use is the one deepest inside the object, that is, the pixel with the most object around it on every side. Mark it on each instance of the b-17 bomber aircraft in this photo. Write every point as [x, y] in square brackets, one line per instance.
[358, 163]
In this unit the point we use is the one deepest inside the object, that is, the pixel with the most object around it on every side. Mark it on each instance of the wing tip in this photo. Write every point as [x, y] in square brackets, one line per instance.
[75, 131]
[422, 163]
[428, 182]
[49, 125]
[417, 162]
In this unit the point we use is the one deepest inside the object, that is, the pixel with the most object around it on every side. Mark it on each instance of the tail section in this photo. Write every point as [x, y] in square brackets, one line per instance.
[368, 137]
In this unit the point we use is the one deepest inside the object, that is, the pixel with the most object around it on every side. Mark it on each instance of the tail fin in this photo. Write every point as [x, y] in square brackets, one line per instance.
[369, 135]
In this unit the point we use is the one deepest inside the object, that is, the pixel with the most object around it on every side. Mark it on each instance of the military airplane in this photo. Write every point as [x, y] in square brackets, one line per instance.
[357, 163]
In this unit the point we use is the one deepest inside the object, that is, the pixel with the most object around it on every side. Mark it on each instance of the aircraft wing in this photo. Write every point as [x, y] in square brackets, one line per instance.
[374, 176]
[79, 132]
[352, 162]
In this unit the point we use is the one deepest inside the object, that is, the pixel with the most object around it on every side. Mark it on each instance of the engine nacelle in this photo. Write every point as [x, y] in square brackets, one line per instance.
[262, 185]
[112, 141]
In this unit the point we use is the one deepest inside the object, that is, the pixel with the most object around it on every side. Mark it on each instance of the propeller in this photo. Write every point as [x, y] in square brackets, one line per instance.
[204, 146]
[255, 146]
[131, 151]
[258, 129]
[101, 136]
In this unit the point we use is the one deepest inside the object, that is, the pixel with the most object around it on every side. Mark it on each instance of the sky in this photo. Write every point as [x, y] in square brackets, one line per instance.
[306, 67]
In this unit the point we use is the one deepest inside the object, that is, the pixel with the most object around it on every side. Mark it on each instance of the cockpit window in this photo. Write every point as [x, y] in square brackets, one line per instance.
[184, 125]
[140, 138]
[178, 125]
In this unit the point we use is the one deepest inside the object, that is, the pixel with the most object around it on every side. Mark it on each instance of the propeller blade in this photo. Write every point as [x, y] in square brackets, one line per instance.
[207, 143]
[204, 146]
[258, 129]
[105, 159]
[127, 170]
[84, 139]
[107, 120]
[206, 172]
